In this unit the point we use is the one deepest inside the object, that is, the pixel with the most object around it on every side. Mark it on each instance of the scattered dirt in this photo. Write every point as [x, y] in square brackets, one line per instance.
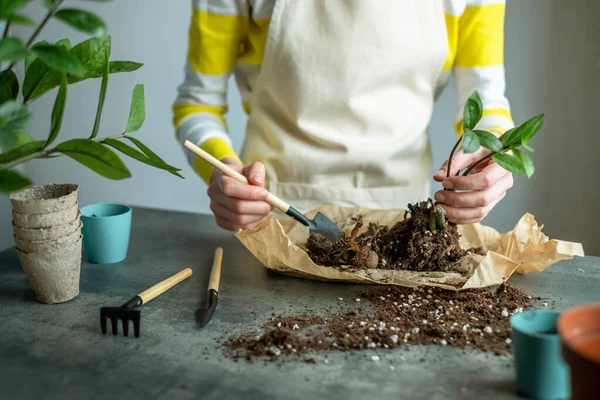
[476, 319]
[418, 243]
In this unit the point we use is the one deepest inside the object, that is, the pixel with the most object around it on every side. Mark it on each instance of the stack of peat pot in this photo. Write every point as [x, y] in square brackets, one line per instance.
[47, 230]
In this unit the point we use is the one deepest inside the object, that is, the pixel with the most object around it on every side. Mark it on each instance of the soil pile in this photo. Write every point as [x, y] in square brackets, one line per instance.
[419, 243]
[401, 316]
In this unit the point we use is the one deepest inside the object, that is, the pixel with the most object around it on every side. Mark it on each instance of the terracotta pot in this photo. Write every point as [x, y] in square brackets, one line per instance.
[579, 330]
[27, 246]
[44, 199]
[52, 233]
[53, 275]
[48, 220]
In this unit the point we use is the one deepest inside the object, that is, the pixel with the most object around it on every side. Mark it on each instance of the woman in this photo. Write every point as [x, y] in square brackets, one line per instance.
[339, 95]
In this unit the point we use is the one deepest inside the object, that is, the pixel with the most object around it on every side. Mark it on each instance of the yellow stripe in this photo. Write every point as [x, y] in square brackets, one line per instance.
[246, 105]
[182, 111]
[452, 33]
[481, 36]
[492, 111]
[254, 45]
[214, 41]
[219, 149]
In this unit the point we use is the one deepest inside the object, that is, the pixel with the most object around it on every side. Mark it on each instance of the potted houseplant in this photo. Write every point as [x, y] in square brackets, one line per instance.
[46, 218]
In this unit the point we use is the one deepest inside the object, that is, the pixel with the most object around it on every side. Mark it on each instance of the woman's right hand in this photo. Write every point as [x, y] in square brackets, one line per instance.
[237, 205]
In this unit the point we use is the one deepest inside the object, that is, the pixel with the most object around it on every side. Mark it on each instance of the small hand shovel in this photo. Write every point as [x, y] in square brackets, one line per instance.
[203, 315]
[127, 313]
[320, 224]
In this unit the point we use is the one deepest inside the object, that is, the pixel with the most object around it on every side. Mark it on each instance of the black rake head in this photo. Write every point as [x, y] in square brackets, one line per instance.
[119, 313]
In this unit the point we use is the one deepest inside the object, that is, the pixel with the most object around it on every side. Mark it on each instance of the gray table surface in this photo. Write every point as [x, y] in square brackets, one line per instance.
[58, 352]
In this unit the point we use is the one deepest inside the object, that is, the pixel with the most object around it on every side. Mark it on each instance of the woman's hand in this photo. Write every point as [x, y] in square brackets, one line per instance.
[237, 205]
[472, 196]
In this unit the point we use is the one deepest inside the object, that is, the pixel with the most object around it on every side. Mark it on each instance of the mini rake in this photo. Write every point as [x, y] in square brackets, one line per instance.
[127, 311]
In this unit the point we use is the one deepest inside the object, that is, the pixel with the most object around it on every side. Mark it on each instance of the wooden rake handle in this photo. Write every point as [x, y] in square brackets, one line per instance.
[165, 285]
[271, 199]
[215, 273]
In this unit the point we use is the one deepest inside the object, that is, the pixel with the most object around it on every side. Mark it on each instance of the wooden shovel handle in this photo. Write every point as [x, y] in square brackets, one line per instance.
[215, 273]
[271, 199]
[165, 285]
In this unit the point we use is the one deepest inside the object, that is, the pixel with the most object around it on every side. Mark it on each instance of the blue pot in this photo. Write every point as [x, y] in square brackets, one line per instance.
[541, 371]
[106, 231]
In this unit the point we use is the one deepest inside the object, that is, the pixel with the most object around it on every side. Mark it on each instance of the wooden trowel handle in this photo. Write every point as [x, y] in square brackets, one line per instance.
[165, 285]
[271, 199]
[215, 273]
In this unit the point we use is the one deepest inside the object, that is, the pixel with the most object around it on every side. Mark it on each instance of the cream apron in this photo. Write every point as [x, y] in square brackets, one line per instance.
[341, 107]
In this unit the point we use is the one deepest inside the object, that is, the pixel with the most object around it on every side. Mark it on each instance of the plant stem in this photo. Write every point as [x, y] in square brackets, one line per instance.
[452, 155]
[47, 152]
[476, 163]
[6, 28]
[41, 26]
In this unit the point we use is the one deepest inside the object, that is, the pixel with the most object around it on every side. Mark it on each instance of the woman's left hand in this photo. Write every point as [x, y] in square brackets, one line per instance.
[477, 193]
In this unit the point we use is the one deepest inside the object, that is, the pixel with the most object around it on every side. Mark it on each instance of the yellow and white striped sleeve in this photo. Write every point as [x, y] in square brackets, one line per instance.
[216, 31]
[479, 62]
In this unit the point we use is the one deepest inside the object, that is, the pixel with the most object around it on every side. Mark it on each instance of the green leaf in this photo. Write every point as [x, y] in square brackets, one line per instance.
[31, 57]
[22, 20]
[91, 55]
[39, 79]
[488, 140]
[470, 142]
[102, 95]
[146, 150]
[531, 127]
[528, 147]
[14, 116]
[82, 20]
[124, 66]
[525, 161]
[137, 155]
[523, 133]
[96, 157]
[11, 181]
[59, 59]
[12, 49]
[58, 111]
[21, 151]
[137, 111]
[472, 112]
[509, 163]
[8, 7]
[66, 43]
[9, 86]
[12, 140]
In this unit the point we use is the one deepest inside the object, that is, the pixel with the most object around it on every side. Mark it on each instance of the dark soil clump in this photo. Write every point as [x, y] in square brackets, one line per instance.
[476, 319]
[412, 244]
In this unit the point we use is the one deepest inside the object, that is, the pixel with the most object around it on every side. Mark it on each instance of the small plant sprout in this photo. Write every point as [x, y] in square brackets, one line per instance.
[508, 150]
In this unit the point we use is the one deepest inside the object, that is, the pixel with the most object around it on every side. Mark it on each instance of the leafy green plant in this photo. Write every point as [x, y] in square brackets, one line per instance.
[57, 65]
[508, 150]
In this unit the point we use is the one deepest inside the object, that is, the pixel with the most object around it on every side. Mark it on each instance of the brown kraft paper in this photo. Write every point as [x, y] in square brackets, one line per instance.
[278, 245]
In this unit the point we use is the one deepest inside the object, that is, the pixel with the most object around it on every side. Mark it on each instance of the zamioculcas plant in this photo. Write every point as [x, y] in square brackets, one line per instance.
[57, 65]
[506, 150]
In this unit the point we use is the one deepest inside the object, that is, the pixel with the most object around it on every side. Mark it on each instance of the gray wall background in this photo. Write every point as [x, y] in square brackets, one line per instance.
[553, 66]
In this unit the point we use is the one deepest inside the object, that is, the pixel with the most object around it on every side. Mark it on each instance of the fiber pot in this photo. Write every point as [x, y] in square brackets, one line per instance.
[27, 246]
[48, 220]
[579, 330]
[44, 199]
[51, 233]
[53, 275]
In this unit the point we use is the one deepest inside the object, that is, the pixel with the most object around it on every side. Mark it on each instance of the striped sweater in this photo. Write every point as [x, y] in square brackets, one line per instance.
[228, 37]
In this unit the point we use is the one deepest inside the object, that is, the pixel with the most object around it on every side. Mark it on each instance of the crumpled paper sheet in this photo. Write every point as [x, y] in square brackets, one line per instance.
[278, 245]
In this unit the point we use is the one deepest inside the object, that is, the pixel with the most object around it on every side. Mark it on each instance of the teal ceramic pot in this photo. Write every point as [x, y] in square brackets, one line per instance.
[541, 372]
[106, 231]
